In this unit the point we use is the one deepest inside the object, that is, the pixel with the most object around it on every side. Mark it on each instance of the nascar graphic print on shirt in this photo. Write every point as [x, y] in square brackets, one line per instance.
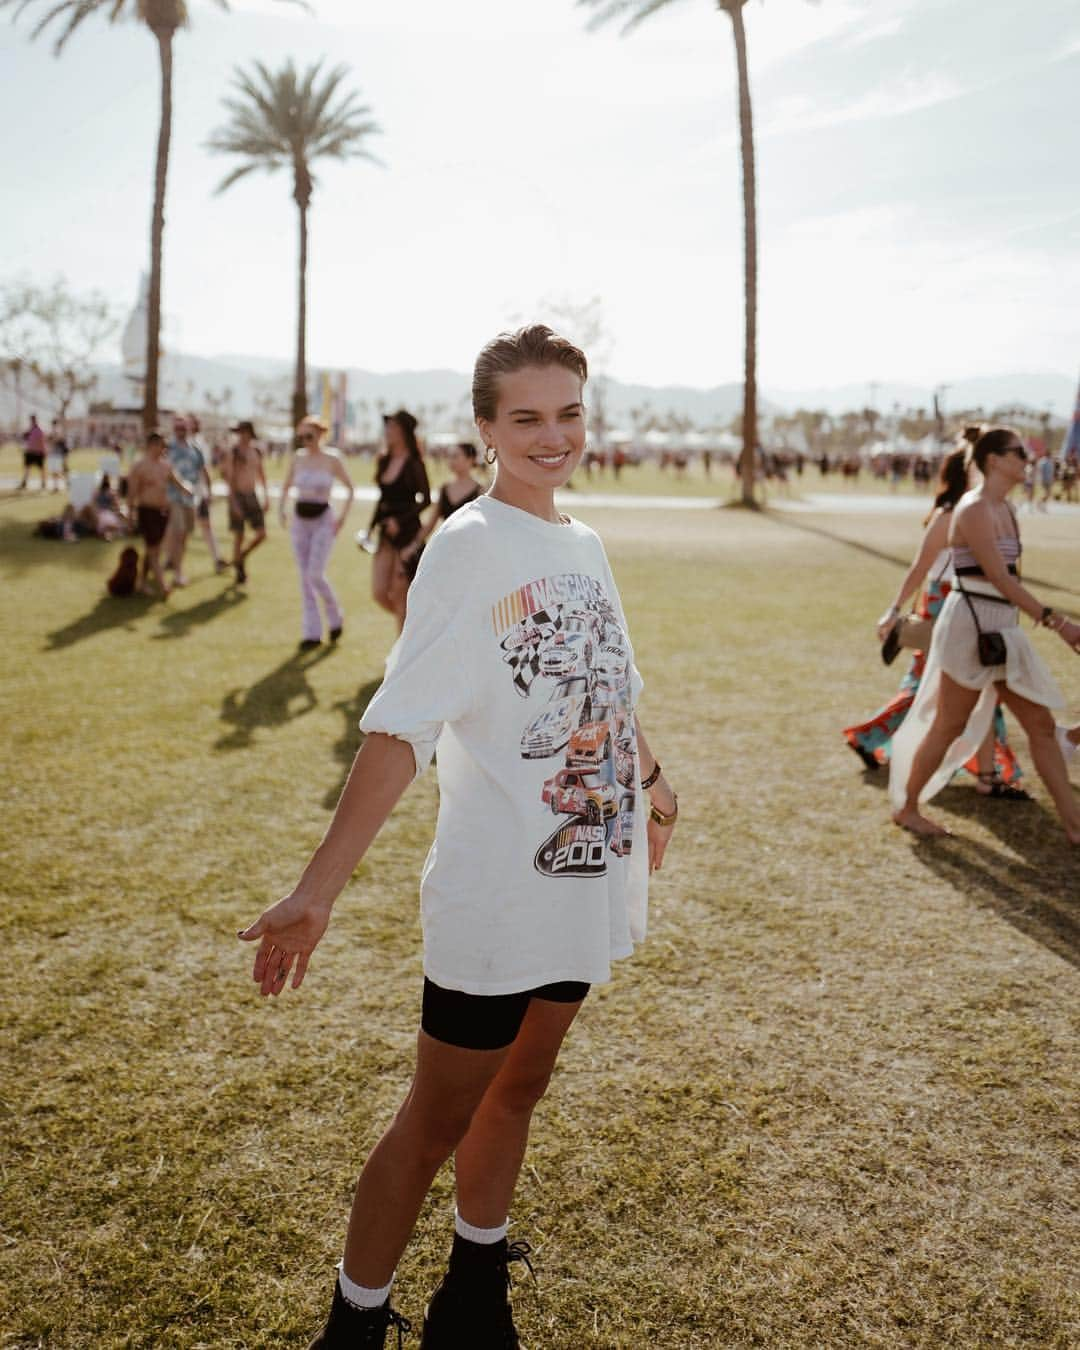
[570, 660]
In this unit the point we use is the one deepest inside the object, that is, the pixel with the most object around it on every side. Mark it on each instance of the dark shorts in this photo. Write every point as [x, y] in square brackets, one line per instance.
[249, 512]
[152, 522]
[33, 459]
[486, 1021]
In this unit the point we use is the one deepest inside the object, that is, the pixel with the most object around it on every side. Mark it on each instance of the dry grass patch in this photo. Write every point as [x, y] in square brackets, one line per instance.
[832, 1101]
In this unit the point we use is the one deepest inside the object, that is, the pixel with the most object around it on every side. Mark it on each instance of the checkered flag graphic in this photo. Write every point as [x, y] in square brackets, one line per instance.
[524, 660]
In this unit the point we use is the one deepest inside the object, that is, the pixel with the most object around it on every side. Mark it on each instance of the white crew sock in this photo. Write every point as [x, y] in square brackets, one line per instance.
[484, 1236]
[357, 1295]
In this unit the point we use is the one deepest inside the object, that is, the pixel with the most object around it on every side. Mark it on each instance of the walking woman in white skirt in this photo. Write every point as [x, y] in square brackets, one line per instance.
[958, 693]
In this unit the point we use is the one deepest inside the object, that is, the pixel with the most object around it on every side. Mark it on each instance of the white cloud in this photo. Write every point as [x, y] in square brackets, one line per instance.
[1071, 48]
[911, 93]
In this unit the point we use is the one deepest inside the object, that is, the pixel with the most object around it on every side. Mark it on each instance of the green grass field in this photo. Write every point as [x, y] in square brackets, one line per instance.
[832, 1102]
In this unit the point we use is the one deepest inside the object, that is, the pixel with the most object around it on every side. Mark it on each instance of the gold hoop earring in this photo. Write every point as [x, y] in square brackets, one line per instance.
[490, 455]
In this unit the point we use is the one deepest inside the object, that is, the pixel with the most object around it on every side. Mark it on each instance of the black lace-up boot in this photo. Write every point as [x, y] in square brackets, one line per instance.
[472, 1306]
[350, 1328]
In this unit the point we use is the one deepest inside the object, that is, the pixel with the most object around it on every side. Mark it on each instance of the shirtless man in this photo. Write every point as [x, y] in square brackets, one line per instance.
[242, 469]
[148, 479]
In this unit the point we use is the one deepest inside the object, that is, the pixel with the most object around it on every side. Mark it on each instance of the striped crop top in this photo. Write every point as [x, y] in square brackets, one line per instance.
[966, 564]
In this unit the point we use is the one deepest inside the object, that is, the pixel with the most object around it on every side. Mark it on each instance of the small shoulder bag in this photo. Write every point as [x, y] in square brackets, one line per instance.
[992, 648]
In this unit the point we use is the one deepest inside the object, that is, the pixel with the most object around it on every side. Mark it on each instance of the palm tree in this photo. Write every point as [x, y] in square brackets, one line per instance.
[283, 119]
[163, 18]
[638, 11]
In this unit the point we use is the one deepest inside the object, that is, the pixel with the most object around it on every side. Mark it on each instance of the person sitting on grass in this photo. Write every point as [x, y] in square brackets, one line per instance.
[242, 469]
[520, 918]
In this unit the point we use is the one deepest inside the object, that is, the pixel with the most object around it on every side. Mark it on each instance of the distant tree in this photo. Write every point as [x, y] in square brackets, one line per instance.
[164, 18]
[284, 119]
[50, 338]
[634, 13]
[584, 323]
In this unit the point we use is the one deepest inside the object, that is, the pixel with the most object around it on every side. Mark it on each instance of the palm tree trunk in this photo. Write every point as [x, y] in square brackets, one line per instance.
[746, 134]
[299, 399]
[157, 230]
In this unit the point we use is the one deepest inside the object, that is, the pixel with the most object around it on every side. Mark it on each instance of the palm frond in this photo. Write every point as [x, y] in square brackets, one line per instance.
[288, 116]
[638, 11]
[243, 170]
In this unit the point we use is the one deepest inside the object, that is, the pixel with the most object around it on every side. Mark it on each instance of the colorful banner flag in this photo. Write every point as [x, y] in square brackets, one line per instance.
[1071, 448]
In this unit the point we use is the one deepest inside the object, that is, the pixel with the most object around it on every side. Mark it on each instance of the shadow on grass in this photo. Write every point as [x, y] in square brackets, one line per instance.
[278, 698]
[347, 744]
[21, 549]
[785, 518]
[1037, 893]
[179, 622]
[109, 612]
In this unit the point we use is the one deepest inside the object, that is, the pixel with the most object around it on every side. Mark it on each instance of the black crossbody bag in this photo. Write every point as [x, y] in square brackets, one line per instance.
[992, 648]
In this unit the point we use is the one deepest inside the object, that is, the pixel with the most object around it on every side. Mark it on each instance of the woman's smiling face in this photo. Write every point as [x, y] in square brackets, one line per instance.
[539, 427]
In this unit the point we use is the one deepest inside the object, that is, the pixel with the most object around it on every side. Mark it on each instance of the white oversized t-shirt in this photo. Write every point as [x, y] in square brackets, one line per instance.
[515, 658]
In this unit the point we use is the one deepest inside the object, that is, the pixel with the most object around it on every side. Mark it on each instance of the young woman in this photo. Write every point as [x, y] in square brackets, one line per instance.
[313, 473]
[458, 492]
[515, 658]
[995, 766]
[958, 694]
[404, 492]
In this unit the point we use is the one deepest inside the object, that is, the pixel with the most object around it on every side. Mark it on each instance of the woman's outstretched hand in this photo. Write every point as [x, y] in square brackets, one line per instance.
[287, 933]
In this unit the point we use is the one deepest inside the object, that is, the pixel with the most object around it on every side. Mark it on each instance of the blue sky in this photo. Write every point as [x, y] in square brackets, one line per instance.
[919, 201]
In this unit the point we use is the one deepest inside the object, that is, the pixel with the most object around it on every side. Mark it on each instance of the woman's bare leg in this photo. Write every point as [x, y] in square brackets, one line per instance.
[489, 1158]
[955, 704]
[382, 575]
[1038, 724]
[985, 760]
[447, 1088]
[398, 592]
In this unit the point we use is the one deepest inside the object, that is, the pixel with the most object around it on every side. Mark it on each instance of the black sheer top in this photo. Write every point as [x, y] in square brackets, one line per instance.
[403, 500]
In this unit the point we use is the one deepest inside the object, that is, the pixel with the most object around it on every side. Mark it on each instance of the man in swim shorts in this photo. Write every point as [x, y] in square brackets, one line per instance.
[243, 470]
[150, 477]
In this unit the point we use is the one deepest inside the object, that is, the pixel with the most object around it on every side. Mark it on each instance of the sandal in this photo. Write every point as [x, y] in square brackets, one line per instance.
[1005, 791]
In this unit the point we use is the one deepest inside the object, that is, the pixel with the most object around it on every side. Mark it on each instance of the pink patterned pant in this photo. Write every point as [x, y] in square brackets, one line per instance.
[312, 541]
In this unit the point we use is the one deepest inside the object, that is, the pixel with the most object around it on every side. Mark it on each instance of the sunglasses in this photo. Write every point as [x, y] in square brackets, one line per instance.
[1017, 450]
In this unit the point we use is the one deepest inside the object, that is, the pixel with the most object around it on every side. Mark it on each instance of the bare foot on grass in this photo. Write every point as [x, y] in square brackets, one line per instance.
[914, 822]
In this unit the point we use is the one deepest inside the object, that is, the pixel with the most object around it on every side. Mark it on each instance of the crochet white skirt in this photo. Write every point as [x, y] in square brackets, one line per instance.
[955, 651]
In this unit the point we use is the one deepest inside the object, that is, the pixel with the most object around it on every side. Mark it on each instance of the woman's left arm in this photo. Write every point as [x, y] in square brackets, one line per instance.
[342, 474]
[423, 486]
[662, 801]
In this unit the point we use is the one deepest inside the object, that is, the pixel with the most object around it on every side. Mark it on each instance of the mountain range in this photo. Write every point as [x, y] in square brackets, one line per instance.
[249, 386]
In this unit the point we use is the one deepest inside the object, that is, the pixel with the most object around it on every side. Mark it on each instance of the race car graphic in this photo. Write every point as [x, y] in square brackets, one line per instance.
[612, 668]
[565, 654]
[624, 761]
[622, 836]
[577, 792]
[564, 631]
[569, 706]
[590, 745]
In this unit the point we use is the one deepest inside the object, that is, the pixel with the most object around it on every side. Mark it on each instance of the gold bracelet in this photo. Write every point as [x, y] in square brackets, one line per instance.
[659, 816]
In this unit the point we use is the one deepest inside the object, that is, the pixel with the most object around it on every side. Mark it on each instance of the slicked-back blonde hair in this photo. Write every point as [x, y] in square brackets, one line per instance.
[533, 345]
